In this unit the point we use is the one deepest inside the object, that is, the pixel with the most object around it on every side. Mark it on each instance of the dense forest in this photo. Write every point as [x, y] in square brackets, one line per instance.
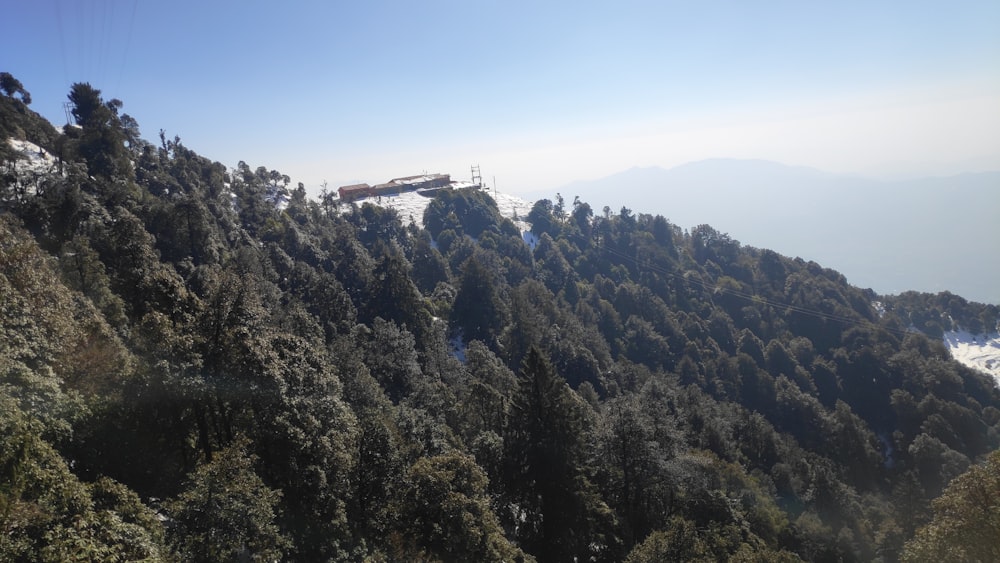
[201, 363]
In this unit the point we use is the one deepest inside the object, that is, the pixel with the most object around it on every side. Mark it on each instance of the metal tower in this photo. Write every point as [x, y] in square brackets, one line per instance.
[477, 178]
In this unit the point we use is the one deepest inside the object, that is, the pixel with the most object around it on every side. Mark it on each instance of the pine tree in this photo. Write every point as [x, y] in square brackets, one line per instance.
[477, 312]
[102, 144]
[563, 516]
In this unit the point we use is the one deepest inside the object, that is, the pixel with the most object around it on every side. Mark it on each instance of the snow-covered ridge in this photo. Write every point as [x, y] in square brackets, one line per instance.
[978, 351]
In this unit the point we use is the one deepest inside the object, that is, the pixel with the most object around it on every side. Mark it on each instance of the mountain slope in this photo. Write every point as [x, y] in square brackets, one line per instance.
[879, 234]
[200, 360]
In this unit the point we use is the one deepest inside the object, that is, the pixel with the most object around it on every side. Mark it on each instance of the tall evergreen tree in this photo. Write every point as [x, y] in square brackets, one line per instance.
[477, 312]
[561, 515]
[102, 144]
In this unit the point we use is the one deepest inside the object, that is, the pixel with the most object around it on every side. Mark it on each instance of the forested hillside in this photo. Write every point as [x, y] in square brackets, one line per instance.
[201, 363]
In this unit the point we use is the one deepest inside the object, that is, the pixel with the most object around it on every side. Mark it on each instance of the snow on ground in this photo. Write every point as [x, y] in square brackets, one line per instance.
[35, 159]
[879, 308]
[512, 207]
[411, 205]
[457, 347]
[529, 237]
[977, 351]
[33, 163]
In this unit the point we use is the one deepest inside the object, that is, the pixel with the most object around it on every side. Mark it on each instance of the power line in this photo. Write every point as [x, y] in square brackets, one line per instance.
[100, 42]
[128, 43]
[88, 16]
[62, 41]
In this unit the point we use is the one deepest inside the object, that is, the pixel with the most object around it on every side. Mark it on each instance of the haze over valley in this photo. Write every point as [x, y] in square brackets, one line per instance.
[928, 234]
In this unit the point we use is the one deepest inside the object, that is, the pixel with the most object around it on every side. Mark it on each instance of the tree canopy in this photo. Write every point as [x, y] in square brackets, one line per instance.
[199, 362]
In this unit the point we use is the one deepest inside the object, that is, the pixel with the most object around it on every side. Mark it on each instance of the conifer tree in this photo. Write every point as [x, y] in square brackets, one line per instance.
[226, 513]
[563, 516]
[477, 312]
[102, 144]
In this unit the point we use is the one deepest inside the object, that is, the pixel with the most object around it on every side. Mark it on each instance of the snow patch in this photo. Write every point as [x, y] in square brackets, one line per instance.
[33, 157]
[529, 238]
[887, 450]
[278, 197]
[31, 164]
[879, 308]
[978, 351]
[411, 206]
[457, 347]
[512, 207]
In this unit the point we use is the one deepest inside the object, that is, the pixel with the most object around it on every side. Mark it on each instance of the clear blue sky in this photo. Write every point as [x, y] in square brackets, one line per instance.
[538, 93]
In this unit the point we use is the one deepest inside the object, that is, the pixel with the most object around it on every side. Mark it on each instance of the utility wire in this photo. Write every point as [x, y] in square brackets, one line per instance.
[62, 40]
[128, 44]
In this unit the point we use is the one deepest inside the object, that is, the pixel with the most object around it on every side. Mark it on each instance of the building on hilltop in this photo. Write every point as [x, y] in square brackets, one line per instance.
[354, 191]
[394, 186]
[423, 181]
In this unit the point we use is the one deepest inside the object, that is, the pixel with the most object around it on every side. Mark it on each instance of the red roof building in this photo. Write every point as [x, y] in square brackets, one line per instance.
[354, 191]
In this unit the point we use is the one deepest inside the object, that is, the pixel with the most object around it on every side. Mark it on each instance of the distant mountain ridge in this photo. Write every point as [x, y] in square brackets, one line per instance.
[931, 234]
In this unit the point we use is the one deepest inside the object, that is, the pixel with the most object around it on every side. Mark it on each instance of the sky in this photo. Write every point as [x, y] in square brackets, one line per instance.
[538, 94]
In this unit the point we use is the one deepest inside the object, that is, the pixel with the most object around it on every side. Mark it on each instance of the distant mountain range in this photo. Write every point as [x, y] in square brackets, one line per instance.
[930, 234]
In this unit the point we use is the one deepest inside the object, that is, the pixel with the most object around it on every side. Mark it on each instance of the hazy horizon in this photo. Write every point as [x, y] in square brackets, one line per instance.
[542, 95]
[927, 234]
[537, 94]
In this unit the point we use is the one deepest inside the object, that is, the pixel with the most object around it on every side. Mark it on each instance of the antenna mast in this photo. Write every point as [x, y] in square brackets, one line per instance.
[477, 178]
